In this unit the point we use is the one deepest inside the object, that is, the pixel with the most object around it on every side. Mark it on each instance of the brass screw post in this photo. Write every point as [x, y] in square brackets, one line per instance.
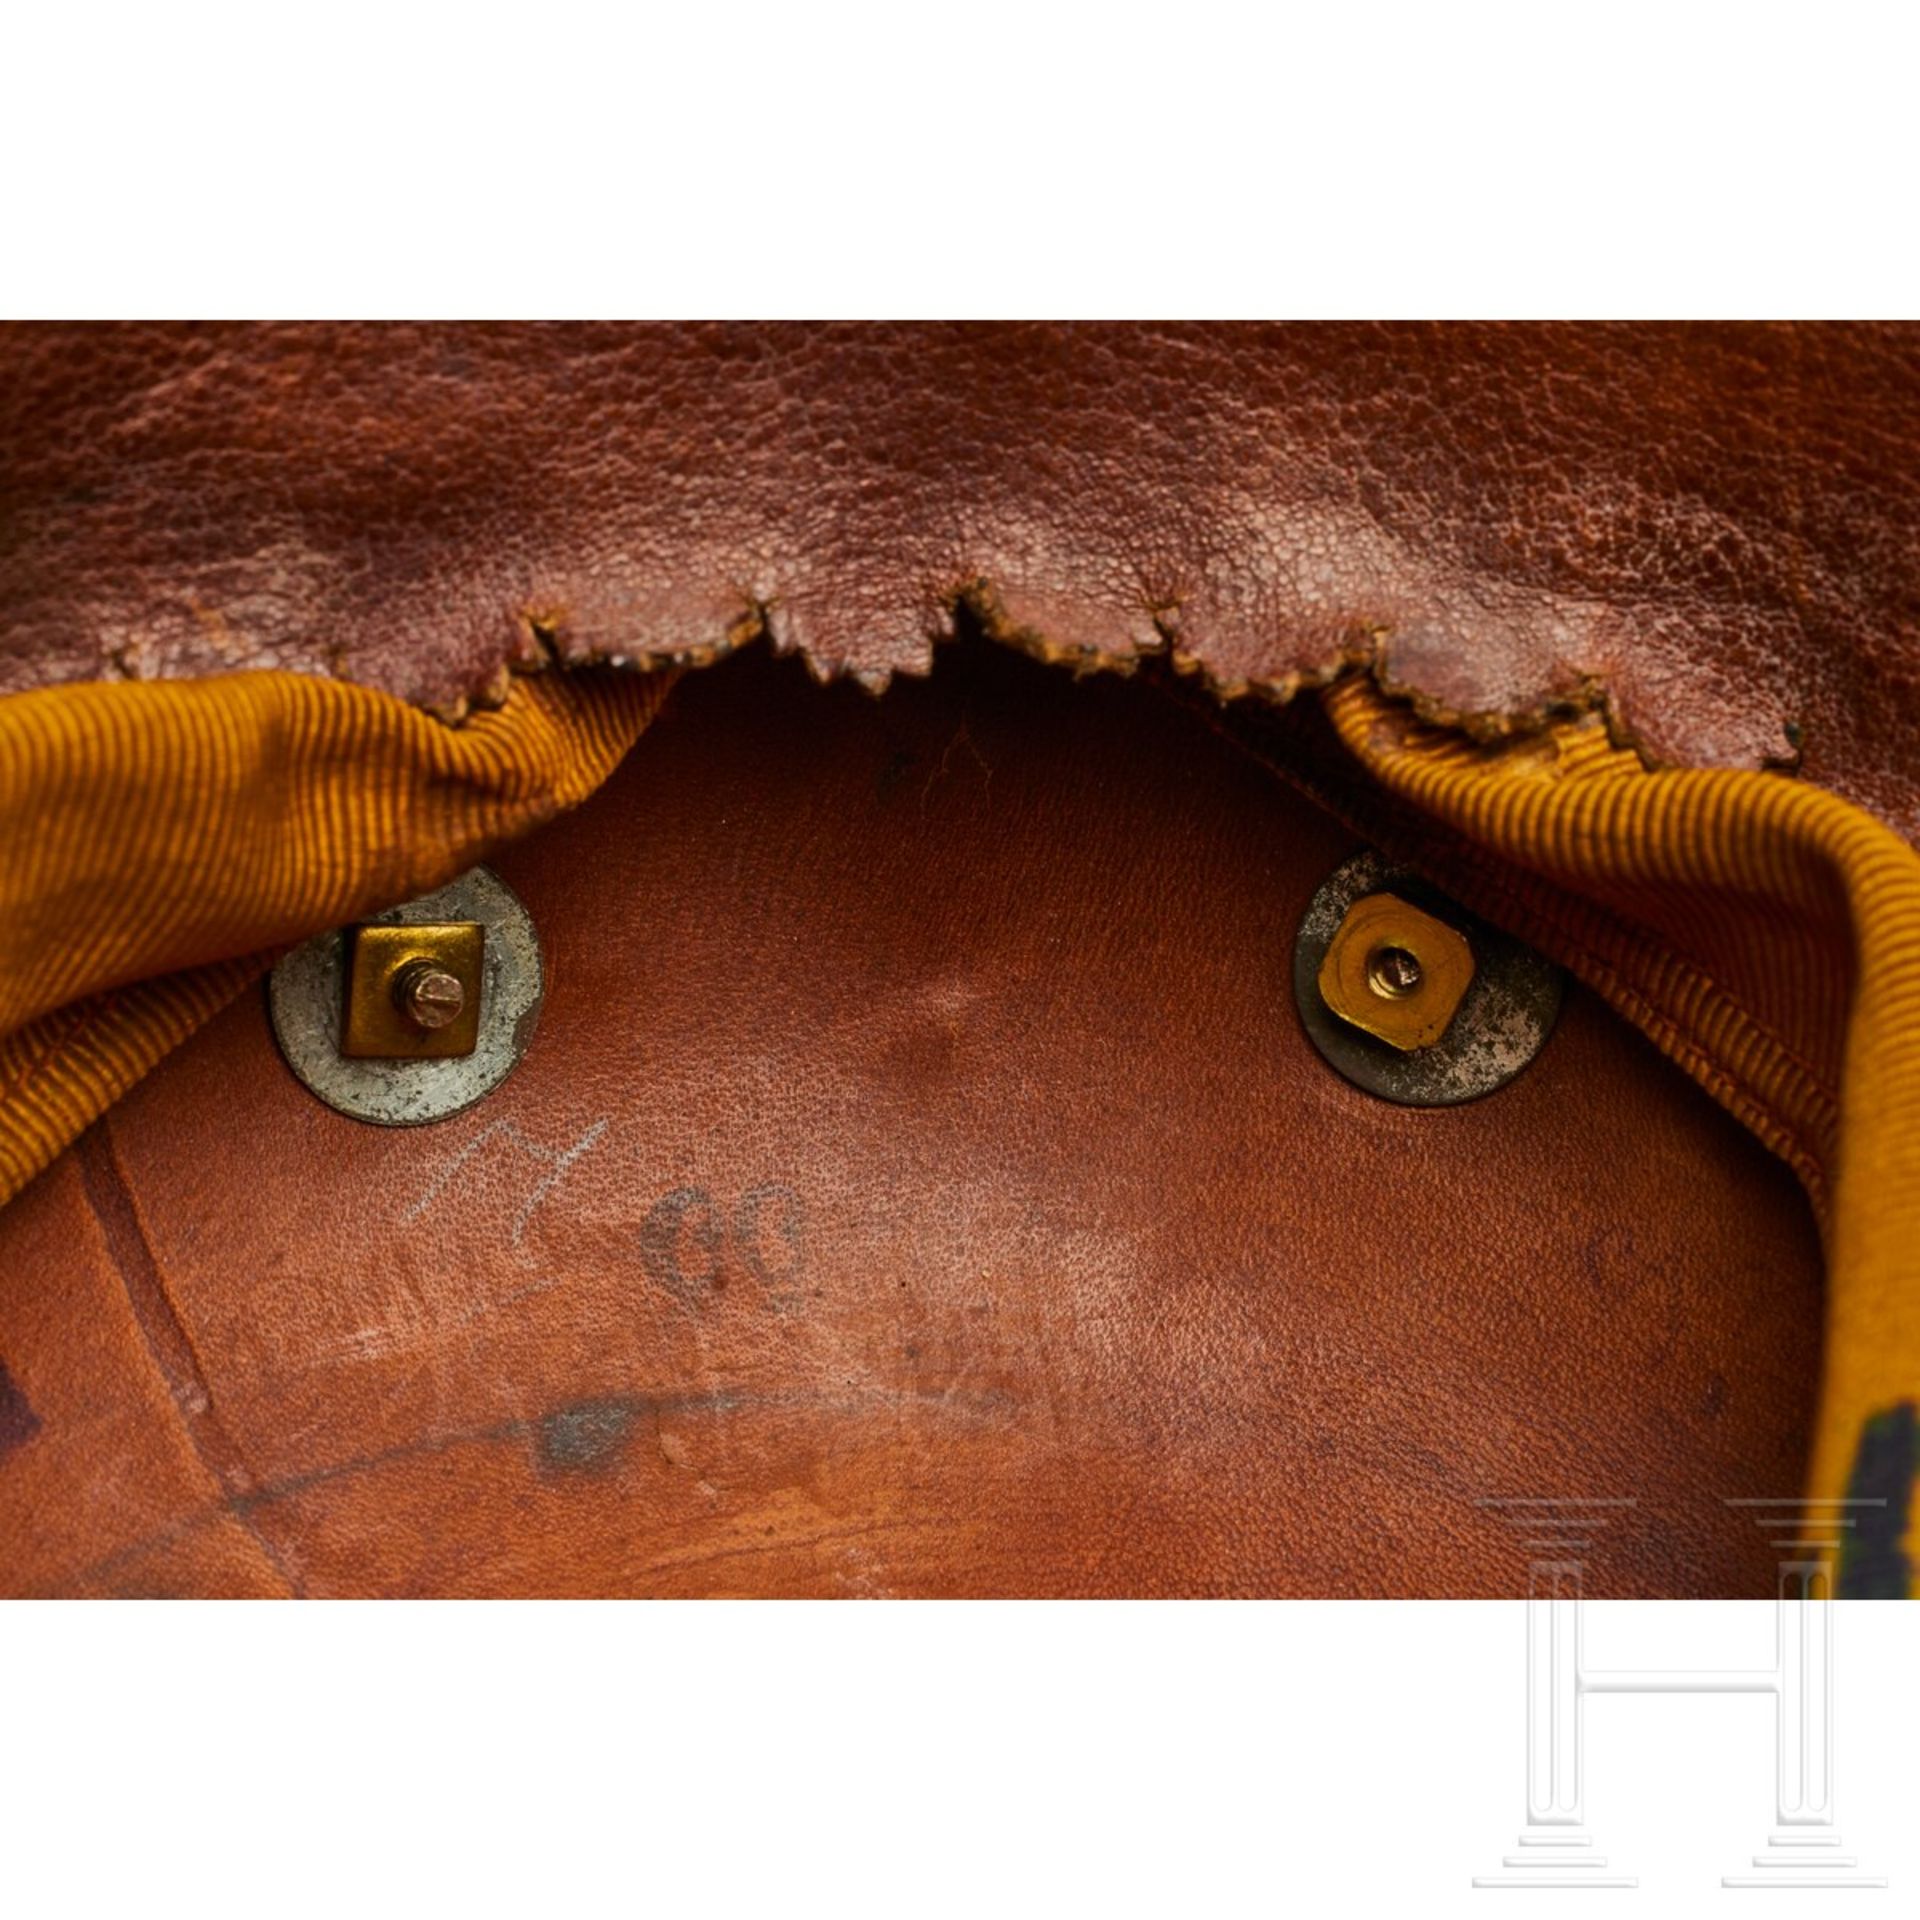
[429, 996]
[1392, 972]
[413, 990]
[1396, 972]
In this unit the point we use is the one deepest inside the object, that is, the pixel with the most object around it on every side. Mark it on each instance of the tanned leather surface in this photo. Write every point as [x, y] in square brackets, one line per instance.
[919, 1183]
[1715, 530]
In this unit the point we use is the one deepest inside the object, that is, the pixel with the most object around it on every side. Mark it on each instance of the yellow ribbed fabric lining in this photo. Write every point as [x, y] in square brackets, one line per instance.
[160, 843]
[1766, 936]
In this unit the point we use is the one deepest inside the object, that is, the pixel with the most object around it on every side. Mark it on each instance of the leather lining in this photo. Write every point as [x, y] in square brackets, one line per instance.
[920, 1184]
[1709, 534]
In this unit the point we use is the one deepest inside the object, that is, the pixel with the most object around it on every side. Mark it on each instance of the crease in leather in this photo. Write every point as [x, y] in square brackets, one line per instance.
[1763, 933]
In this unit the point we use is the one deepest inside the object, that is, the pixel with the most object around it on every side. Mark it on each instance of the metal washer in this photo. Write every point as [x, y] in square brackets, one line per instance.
[307, 997]
[1503, 1021]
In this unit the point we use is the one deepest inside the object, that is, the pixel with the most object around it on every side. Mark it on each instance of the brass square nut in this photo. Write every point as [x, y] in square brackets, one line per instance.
[413, 992]
[1396, 972]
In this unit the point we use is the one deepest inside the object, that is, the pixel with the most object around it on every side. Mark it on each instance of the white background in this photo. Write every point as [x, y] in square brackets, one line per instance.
[994, 159]
[968, 1759]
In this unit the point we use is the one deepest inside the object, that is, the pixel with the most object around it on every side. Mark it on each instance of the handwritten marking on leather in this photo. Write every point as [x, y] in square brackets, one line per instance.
[768, 1229]
[685, 1237]
[555, 1162]
[679, 1225]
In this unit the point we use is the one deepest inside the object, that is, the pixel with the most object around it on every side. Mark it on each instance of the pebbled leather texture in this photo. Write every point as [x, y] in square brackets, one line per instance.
[1713, 529]
[919, 1183]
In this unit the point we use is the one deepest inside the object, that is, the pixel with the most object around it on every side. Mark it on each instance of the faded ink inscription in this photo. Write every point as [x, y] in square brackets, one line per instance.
[689, 1240]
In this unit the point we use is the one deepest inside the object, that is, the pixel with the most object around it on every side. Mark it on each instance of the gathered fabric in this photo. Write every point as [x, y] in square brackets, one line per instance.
[1765, 935]
[161, 843]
